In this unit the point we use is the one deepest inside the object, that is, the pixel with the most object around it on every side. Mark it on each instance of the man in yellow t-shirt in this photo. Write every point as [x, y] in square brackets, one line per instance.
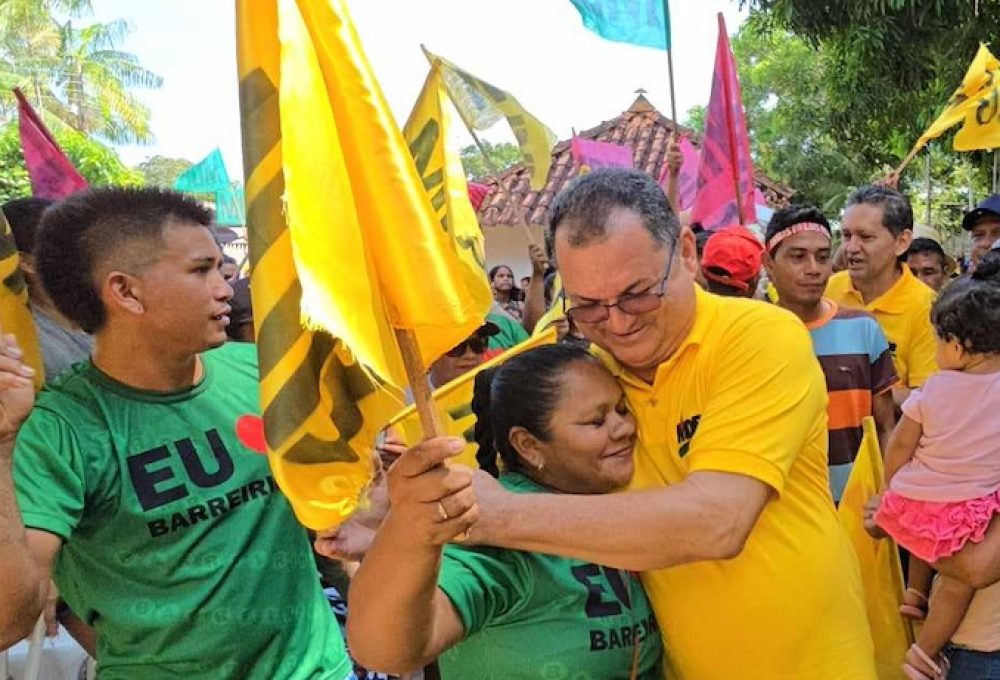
[878, 227]
[729, 516]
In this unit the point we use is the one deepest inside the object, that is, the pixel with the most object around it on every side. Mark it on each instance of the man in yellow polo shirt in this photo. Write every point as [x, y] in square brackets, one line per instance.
[878, 227]
[729, 517]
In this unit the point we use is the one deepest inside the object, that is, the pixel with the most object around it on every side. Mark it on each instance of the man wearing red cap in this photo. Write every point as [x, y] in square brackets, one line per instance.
[731, 262]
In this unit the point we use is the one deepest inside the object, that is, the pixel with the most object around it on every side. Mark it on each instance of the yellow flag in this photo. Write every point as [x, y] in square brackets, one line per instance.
[354, 251]
[881, 574]
[481, 105]
[976, 102]
[555, 311]
[454, 403]
[426, 133]
[15, 314]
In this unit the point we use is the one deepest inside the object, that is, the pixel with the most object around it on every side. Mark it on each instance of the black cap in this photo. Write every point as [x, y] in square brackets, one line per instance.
[488, 329]
[988, 208]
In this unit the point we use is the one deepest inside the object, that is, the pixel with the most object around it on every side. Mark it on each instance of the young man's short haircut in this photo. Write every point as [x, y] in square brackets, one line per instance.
[24, 215]
[117, 227]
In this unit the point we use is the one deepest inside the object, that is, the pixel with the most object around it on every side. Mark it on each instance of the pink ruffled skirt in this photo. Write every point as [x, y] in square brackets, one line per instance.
[932, 530]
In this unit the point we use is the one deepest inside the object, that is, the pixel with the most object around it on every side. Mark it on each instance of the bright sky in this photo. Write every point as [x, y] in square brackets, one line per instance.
[536, 49]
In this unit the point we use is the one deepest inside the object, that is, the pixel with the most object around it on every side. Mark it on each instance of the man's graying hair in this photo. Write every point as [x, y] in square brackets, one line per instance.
[583, 208]
[897, 215]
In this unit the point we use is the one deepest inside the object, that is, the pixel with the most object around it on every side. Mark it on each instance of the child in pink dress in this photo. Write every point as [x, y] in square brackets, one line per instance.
[943, 460]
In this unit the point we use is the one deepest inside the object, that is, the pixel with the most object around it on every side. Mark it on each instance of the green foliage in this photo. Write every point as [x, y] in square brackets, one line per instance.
[695, 118]
[838, 91]
[74, 76]
[501, 156]
[96, 162]
[952, 177]
[162, 171]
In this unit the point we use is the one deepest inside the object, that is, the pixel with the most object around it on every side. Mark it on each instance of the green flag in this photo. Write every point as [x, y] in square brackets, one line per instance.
[207, 176]
[229, 207]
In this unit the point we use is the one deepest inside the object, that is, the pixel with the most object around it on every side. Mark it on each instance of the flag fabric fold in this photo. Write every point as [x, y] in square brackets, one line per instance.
[15, 312]
[426, 133]
[976, 104]
[638, 22]
[881, 574]
[482, 105]
[345, 247]
[52, 174]
[725, 173]
[590, 155]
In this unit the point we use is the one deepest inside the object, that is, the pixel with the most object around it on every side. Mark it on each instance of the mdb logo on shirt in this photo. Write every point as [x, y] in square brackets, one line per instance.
[685, 433]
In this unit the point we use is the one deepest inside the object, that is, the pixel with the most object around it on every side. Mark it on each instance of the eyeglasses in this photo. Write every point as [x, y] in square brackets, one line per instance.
[629, 303]
[476, 343]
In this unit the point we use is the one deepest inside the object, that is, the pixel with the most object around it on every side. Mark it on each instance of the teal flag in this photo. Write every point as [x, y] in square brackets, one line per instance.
[207, 176]
[229, 207]
[638, 22]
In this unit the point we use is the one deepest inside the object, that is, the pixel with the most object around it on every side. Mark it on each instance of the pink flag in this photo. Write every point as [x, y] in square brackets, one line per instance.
[593, 155]
[52, 174]
[725, 178]
[688, 180]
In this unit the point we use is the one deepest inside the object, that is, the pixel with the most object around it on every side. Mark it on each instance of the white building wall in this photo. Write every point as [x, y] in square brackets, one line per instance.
[509, 246]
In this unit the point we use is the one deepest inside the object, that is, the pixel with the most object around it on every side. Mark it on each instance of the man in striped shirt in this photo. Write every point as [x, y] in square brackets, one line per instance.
[849, 343]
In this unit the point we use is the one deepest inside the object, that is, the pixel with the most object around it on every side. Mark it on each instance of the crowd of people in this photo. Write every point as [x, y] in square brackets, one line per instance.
[654, 495]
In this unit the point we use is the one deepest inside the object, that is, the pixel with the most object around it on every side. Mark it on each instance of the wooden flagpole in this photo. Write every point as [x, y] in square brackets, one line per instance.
[670, 64]
[416, 374]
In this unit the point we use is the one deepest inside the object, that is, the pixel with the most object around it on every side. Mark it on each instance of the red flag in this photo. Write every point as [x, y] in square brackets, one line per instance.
[589, 155]
[477, 192]
[52, 175]
[725, 177]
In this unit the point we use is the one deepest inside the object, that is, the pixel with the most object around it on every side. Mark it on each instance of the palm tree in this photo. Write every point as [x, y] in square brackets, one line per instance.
[75, 77]
[95, 79]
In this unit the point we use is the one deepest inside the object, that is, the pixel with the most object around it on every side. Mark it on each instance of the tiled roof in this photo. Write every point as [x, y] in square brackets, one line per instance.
[641, 127]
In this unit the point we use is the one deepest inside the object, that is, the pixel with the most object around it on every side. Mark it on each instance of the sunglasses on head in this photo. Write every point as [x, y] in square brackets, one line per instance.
[476, 343]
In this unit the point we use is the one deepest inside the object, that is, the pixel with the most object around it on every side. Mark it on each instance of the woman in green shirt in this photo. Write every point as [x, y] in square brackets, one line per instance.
[559, 423]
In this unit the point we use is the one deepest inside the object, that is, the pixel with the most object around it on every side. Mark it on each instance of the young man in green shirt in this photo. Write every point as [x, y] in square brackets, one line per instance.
[161, 529]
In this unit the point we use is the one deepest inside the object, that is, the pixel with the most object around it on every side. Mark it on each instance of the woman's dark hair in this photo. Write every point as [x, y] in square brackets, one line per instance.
[515, 292]
[23, 216]
[792, 215]
[496, 268]
[968, 309]
[521, 392]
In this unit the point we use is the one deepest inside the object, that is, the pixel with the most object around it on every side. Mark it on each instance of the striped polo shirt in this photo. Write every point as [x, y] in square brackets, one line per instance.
[857, 363]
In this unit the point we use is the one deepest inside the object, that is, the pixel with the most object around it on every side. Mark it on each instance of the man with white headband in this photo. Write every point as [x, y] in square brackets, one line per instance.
[850, 345]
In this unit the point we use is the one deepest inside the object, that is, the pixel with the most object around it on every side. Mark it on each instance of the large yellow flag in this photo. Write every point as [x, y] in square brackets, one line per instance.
[481, 105]
[881, 573]
[344, 245]
[15, 314]
[976, 102]
[454, 403]
[443, 176]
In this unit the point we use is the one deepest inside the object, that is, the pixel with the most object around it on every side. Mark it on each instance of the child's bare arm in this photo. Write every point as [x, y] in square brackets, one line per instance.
[902, 445]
